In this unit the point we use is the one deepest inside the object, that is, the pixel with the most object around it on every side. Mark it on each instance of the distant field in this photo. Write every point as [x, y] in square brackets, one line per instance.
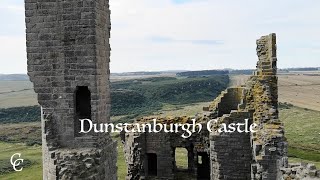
[130, 98]
[238, 80]
[114, 78]
[301, 89]
[17, 93]
[21, 93]
[187, 110]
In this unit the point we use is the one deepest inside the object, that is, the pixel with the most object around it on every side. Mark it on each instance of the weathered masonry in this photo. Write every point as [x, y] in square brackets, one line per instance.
[261, 155]
[68, 62]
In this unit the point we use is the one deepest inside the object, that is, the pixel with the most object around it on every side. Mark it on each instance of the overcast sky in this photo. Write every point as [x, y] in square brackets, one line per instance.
[150, 35]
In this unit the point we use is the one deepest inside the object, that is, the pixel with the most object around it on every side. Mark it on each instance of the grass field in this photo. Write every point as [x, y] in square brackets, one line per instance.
[21, 132]
[32, 153]
[302, 129]
[300, 90]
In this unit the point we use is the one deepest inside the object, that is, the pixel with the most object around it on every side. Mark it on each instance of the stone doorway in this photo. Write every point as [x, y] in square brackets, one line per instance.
[152, 164]
[203, 164]
[183, 164]
[82, 108]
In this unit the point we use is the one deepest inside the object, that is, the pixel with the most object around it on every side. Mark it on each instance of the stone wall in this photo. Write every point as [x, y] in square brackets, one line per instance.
[268, 143]
[231, 152]
[228, 100]
[137, 146]
[68, 50]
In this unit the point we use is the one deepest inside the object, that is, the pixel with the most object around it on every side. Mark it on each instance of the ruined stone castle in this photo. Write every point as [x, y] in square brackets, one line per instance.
[261, 155]
[68, 62]
[223, 155]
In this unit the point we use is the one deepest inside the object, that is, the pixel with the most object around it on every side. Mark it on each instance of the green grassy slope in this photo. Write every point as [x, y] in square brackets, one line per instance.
[31, 153]
[17, 93]
[302, 129]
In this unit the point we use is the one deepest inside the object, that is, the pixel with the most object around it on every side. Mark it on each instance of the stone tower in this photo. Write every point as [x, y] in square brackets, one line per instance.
[269, 146]
[68, 62]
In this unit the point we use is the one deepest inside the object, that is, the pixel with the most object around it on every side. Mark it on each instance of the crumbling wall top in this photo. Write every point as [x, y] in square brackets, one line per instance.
[267, 54]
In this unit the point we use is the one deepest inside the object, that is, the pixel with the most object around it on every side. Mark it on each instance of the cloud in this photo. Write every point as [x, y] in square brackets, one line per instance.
[178, 2]
[162, 39]
[190, 34]
[181, 1]
[12, 37]
[12, 18]
[13, 55]
[225, 30]
[15, 6]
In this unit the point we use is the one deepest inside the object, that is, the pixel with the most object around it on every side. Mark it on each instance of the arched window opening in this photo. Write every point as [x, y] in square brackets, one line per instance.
[82, 108]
